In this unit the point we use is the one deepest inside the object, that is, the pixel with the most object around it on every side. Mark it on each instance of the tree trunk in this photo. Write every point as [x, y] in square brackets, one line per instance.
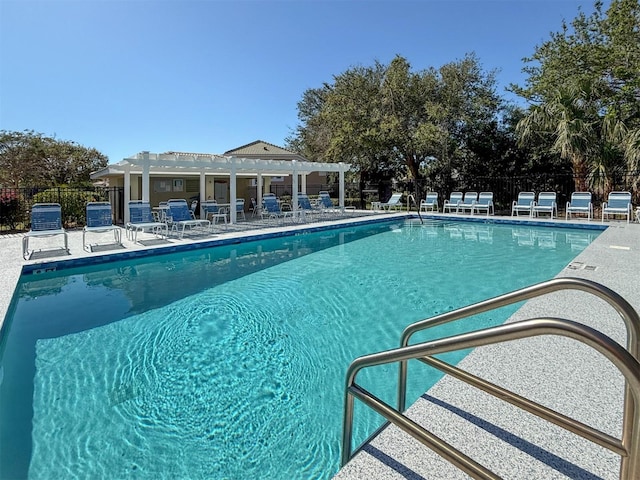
[580, 175]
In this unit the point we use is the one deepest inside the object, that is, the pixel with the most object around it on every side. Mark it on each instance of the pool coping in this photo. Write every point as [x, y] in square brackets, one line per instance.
[396, 456]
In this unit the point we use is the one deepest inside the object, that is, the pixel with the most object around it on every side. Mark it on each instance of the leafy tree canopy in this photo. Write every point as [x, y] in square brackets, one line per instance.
[584, 90]
[31, 159]
[388, 120]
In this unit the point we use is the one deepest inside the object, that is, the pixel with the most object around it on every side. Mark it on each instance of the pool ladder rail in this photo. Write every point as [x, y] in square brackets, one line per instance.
[411, 197]
[626, 361]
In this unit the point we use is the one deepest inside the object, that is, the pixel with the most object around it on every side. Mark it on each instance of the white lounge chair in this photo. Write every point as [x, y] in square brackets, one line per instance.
[99, 221]
[46, 221]
[484, 203]
[618, 203]
[467, 203]
[141, 219]
[452, 202]
[179, 217]
[546, 204]
[430, 203]
[580, 204]
[523, 204]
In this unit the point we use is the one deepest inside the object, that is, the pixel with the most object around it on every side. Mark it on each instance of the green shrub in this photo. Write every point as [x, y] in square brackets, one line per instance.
[72, 202]
[10, 211]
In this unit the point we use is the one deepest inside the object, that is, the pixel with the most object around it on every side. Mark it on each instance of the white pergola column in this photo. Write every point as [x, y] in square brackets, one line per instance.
[146, 167]
[127, 193]
[259, 190]
[294, 187]
[341, 175]
[203, 187]
[233, 191]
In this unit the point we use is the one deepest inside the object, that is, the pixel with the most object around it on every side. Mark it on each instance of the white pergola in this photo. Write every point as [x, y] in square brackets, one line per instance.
[146, 164]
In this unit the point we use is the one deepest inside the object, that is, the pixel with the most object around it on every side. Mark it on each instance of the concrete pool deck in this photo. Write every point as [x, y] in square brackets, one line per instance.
[557, 372]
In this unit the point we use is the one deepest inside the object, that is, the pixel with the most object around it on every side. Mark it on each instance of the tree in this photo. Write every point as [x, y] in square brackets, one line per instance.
[584, 91]
[32, 159]
[389, 121]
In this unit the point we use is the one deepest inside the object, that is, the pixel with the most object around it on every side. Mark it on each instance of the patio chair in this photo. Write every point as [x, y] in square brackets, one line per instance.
[141, 219]
[523, 204]
[99, 221]
[240, 209]
[46, 221]
[254, 209]
[430, 203]
[484, 203]
[618, 203]
[467, 203]
[179, 217]
[193, 208]
[452, 202]
[326, 204]
[580, 204]
[160, 212]
[271, 209]
[213, 212]
[394, 202]
[546, 204]
[305, 207]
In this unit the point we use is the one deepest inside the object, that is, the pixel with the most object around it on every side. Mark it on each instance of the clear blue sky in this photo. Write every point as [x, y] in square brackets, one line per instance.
[125, 76]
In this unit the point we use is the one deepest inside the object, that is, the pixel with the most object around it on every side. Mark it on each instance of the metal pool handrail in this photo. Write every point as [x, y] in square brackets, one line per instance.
[621, 358]
[624, 309]
[411, 197]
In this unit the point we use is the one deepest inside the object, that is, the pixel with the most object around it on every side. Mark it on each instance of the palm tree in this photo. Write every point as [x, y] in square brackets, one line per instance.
[594, 143]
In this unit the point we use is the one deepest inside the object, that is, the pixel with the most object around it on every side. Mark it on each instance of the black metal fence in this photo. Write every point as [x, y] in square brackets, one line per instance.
[16, 203]
[505, 189]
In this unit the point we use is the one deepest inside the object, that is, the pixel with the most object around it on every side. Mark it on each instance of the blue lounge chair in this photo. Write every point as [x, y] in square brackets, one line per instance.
[467, 203]
[141, 219]
[618, 203]
[99, 221]
[46, 221]
[326, 204]
[580, 204]
[271, 209]
[523, 204]
[452, 202]
[305, 208]
[546, 204]
[430, 203]
[484, 203]
[179, 217]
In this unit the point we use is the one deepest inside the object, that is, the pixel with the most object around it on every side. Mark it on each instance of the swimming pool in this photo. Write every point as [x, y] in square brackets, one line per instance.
[230, 362]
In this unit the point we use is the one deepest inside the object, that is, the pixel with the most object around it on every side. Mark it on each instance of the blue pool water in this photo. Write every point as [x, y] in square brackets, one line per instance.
[230, 362]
